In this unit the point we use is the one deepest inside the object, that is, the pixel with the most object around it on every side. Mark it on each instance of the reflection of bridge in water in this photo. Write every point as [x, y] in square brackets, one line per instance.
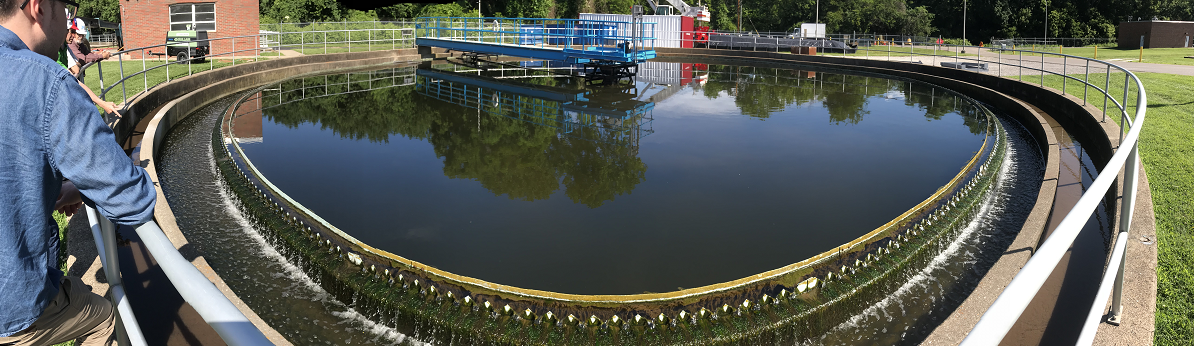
[608, 114]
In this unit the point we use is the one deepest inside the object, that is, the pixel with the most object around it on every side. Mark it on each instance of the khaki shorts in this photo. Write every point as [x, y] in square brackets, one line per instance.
[75, 313]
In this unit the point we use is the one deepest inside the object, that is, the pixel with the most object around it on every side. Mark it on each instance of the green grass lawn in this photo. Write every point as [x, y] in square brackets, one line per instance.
[1176, 56]
[1167, 151]
[62, 222]
[158, 72]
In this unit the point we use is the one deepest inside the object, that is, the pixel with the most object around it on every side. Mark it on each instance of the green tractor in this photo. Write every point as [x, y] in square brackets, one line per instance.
[187, 44]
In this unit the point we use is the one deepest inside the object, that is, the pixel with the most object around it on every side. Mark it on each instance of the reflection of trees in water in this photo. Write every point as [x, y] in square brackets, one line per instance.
[508, 156]
[759, 92]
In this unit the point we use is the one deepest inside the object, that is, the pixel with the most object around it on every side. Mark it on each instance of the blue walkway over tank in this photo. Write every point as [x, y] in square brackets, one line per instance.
[569, 40]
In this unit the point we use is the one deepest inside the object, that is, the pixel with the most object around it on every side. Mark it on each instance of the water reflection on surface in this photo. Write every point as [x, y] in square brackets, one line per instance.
[693, 175]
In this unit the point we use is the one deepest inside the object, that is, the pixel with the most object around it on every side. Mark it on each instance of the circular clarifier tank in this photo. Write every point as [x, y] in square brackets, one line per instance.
[693, 175]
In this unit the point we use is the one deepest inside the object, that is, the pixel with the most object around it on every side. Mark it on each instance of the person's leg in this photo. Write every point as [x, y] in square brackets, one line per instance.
[75, 313]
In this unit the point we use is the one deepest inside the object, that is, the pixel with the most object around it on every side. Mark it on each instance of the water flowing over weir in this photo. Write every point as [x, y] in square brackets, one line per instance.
[268, 278]
[317, 287]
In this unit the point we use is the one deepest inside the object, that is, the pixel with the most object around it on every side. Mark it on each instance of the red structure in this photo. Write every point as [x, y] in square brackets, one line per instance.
[145, 22]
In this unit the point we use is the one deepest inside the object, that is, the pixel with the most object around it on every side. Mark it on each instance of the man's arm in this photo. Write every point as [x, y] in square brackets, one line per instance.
[86, 58]
[84, 149]
[108, 107]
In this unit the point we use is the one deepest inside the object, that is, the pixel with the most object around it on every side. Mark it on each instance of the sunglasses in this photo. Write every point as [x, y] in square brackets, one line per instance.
[68, 2]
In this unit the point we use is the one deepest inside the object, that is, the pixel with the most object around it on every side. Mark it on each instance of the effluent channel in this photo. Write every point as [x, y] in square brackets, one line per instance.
[700, 203]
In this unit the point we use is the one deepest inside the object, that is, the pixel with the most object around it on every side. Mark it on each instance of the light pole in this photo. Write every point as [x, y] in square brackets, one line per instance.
[818, 11]
[1046, 43]
[967, 42]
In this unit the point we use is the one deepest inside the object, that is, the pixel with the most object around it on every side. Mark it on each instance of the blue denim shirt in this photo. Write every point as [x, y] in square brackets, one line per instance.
[49, 129]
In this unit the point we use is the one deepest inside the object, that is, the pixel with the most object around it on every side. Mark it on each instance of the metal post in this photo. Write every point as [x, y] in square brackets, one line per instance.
[1086, 82]
[1106, 91]
[1064, 76]
[108, 234]
[123, 92]
[100, 66]
[1042, 69]
[1123, 125]
[234, 52]
[1125, 225]
[144, 77]
[1021, 65]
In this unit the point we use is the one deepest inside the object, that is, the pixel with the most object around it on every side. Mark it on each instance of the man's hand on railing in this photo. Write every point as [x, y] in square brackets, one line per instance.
[108, 107]
[69, 199]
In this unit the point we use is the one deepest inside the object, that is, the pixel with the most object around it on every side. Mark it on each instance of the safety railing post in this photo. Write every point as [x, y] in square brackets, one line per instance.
[1042, 69]
[1064, 76]
[1125, 223]
[144, 77]
[1086, 82]
[1123, 124]
[111, 267]
[108, 234]
[1106, 86]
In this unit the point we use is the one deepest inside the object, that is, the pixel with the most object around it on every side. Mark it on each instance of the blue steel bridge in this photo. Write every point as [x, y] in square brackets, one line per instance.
[571, 112]
[573, 41]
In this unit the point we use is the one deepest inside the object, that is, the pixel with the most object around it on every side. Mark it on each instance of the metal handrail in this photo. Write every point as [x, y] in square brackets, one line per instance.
[103, 232]
[1011, 303]
[393, 37]
[1014, 299]
[997, 320]
[216, 309]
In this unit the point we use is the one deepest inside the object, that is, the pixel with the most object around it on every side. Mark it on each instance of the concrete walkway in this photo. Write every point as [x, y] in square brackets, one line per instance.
[1032, 64]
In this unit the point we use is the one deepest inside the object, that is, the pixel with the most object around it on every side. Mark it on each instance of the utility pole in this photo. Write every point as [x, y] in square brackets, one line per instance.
[739, 15]
[1046, 24]
[818, 11]
[963, 25]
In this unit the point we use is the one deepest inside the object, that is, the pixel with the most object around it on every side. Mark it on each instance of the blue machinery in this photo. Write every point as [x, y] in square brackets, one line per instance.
[621, 121]
[607, 49]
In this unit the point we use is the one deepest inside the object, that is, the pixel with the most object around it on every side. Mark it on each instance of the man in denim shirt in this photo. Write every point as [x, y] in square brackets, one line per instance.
[49, 130]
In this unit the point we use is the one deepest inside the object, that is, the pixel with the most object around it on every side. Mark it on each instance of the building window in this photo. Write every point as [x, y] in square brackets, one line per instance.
[200, 17]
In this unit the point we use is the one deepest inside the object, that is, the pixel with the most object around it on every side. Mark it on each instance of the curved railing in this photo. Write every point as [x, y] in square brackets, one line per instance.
[1014, 299]
[153, 61]
[1000, 317]
[215, 308]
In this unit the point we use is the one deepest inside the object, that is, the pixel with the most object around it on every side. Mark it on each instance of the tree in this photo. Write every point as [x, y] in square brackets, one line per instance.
[106, 10]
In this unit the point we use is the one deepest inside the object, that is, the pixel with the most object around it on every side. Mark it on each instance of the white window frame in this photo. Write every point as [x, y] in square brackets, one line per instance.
[191, 11]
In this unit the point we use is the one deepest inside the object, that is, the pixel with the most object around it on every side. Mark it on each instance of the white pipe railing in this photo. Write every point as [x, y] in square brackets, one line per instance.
[211, 304]
[309, 42]
[103, 232]
[995, 323]
[1011, 303]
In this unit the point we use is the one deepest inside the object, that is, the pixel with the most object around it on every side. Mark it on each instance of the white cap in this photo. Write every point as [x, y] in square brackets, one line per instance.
[81, 25]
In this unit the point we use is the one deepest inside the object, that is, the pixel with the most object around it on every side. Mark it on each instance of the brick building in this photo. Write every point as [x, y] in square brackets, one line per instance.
[1156, 34]
[145, 22]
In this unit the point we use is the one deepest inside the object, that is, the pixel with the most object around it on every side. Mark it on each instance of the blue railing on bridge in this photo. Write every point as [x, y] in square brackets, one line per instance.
[571, 40]
[621, 123]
